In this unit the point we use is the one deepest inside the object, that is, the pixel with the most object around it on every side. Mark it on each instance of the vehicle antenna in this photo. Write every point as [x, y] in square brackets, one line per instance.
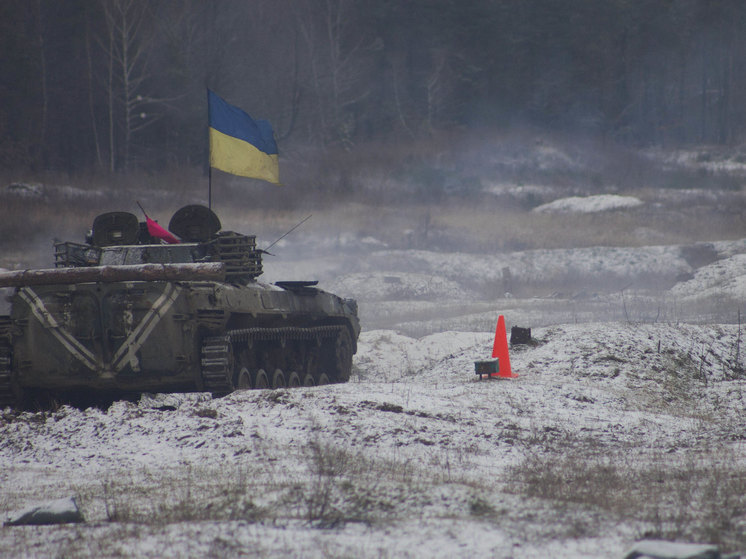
[141, 208]
[288, 233]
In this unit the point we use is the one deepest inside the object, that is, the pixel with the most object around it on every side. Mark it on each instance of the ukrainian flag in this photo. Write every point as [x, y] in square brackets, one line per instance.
[239, 144]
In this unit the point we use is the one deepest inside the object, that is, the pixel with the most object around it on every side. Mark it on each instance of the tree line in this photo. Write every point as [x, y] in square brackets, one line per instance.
[117, 85]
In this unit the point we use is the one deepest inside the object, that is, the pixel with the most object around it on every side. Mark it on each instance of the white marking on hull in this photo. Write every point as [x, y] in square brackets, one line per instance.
[78, 350]
[127, 352]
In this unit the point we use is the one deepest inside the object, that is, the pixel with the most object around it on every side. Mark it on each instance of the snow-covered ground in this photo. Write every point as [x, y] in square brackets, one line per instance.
[414, 457]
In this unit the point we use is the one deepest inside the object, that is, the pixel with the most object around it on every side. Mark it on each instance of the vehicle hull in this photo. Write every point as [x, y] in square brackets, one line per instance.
[137, 336]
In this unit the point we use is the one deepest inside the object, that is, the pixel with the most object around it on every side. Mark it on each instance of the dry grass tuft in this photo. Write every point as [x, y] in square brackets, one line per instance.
[700, 497]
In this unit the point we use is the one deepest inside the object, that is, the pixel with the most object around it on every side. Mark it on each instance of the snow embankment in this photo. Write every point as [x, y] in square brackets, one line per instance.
[431, 275]
[721, 280]
[589, 204]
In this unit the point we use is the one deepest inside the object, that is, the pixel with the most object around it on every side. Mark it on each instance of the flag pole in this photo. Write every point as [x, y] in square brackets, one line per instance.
[209, 154]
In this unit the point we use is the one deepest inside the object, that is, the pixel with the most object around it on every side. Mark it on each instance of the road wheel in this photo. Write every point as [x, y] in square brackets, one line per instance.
[242, 375]
[322, 379]
[244, 379]
[308, 380]
[260, 379]
[293, 380]
[278, 379]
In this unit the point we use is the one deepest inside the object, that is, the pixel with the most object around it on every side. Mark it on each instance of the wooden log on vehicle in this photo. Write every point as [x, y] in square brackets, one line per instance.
[203, 271]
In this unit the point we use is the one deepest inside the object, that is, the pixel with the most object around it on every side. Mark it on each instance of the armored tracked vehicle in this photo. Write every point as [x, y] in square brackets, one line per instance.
[123, 314]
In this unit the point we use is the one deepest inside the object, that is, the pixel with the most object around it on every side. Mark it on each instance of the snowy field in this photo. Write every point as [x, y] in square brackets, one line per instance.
[413, 458]
[626, 420]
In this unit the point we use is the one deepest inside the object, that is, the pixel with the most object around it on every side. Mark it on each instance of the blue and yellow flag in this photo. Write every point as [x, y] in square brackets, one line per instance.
[239, 144]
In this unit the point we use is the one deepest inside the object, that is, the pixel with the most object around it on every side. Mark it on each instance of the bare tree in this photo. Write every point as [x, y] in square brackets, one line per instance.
[127, 46]
[338, 48]
[43, 76]
[91, 104]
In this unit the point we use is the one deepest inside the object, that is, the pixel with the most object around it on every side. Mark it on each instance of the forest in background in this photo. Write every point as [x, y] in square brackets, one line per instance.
[119, 85]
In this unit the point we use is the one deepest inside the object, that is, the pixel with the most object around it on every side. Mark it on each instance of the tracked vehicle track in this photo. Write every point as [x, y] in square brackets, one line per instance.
[218, 354]
[7, 397]
[217, 365]
[285, 333]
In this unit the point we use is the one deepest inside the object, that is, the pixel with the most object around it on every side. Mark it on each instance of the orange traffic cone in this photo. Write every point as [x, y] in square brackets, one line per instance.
[500, 350]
